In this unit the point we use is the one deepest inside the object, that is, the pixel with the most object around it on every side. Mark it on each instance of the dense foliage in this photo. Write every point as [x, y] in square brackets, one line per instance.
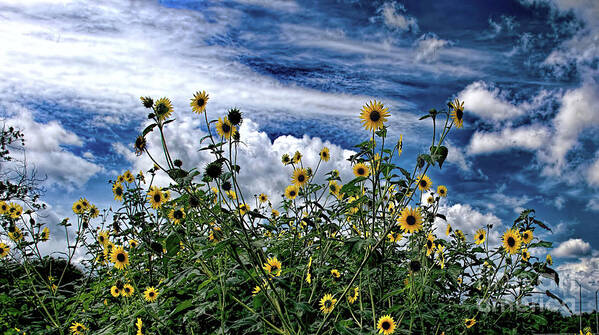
[198, 256]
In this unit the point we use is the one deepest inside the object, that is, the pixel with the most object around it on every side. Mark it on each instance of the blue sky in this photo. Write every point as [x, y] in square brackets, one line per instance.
[73, 72]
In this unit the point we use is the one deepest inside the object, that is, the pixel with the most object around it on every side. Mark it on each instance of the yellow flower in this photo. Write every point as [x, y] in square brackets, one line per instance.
[224, 128]
[400, 146]
[103, 237]
[114, 291]
[150, 294]
[119, 257]
[297, 157]
[424, 183]
[309, 278]
[3, 207]
[430, 244]
[231, 194]
[117, 190]
[244, 208]
[327, 303]
[199, 101]
[285, 159]
[334, 188]
[16, 234]
[93, 211]
[300, 177]
[469, 322]
[324, 154]
[156, 197]
[527, 236]
[273, 266]
[163, 108]
[291, 192]
[354, 297]
[457, 113]
[176, 215]
[394, 237]
[15, 210]
[525, 255]
[128, 176]
[45, 234]
[78, 207]
[442, 190]
[410, 220]
[549, 259]
[77, 328]
[256, 290]
[361, 170]
[386, 325]
[374, 115]
[262, 198]
[275, 213]
[511, 241]
[480, 236]
[335, 273]
[127, 290]
[448, 230]
[4, 250]
[139, 326]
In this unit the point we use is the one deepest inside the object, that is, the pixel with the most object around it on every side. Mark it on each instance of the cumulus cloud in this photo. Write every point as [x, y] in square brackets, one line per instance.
[469, 220]
[592, 174]
[525, 138]
[457, 156]
[427, 47]
[393, 15]
[46, 150]
[593, 205]
[572, 248]
[260, 159]
[584, 271]
[488, 102]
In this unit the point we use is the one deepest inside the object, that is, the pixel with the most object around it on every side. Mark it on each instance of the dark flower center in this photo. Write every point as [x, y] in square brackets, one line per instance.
[429, 244]
[226, 128]
[411, 220]
[120, 257]
[79, 328]
[360, 171]
[292, 193]
[423, 183]
[301, 178]
[327, 304]
[101, 238]
[375, 116]
[118, 191]
[333, 188]
[386, 325]
[200, 102]
[481, 237]
[511, 242]
[151, 294]
[78, 207]
[1, 250]
[459, 114]
[178, 214]
[525, 235]
[127, 290]
[157, 197]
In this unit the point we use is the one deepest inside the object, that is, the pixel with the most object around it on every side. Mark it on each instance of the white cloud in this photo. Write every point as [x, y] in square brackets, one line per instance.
[457, 156]
[469, 220]
[559, 202]
[487, 102]
[572, 248]
[428, 47]
[593, 205]
[45, 150]
[526, 138]
[593, 173]
[393, 16]
[260, 160]
[576, 113]
[584, 271]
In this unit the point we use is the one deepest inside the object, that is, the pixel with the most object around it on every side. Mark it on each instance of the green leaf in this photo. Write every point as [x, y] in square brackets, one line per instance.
[148, 129]
[182, 306]
[439, 154]
[172, 244]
